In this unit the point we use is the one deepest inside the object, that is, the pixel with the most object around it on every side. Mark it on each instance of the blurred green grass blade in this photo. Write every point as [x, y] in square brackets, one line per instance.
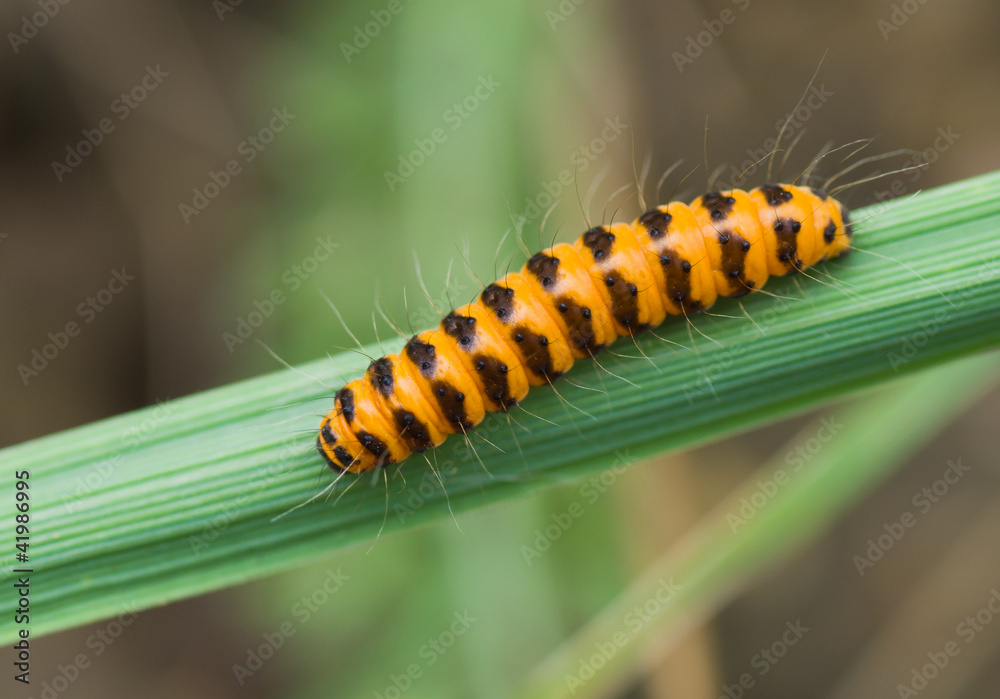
[725, 550]
[176, 500]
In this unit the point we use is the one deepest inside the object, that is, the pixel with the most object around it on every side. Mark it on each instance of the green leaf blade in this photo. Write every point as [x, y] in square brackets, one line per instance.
[184, 505]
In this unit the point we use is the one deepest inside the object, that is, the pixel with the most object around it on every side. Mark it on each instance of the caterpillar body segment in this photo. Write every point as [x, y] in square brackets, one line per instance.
[734, 240]
[562, 278]
[569, 302]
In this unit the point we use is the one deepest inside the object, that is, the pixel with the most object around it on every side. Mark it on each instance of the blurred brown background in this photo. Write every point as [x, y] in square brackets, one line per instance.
[216, 73]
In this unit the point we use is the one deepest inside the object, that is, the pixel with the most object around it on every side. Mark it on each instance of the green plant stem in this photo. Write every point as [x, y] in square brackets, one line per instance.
[176, 500]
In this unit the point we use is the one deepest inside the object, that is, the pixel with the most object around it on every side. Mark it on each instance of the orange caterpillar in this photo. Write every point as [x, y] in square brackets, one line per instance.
[570, 302]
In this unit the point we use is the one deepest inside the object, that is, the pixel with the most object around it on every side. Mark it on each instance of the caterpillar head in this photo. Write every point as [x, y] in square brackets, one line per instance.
[336, 441]
[333, 450]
